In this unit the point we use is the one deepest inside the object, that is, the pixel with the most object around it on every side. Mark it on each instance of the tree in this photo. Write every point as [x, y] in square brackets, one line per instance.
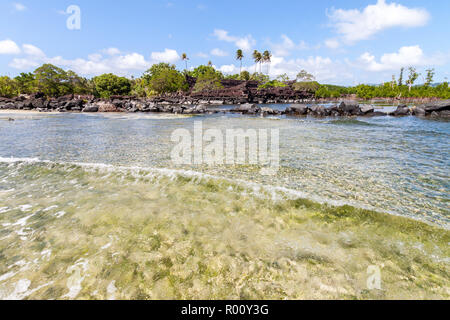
[430, 77]
[8, 87]
[257, 57]
[202, 70]
[165, 78]
[210, 63]
[267, 58]
[305, 76]
[400, 78]
[209, 79]
[245, 75]
[52, 81]
[413, 75]
[26, 83]
[185, 58]
[109, 84]
[239, 57]
[283, 77]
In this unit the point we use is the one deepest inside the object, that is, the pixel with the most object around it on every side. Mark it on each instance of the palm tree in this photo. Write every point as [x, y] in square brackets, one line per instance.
[257, 57]
[267, 58]
[185, 58]
[240, 56]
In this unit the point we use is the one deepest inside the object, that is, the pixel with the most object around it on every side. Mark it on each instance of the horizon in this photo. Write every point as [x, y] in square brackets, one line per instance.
[390, 35]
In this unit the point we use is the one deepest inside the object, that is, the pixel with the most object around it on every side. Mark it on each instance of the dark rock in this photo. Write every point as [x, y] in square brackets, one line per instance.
[419, 111]
[247, 108]
[90, 108]
[318, 110]
[297, 110]
[436, 106]
[349, 108]
[402, 110]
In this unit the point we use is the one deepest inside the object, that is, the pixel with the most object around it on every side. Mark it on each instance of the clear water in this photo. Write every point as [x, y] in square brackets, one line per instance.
[91, 206]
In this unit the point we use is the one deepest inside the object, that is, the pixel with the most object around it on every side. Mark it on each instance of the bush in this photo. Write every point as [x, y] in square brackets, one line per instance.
[109, 84]
[164, 78]
[8, 87]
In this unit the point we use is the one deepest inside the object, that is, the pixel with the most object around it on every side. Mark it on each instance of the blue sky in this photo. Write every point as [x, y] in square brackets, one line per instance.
[340, 42]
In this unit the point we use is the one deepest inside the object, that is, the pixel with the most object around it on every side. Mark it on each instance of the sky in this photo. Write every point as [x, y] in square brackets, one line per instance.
[339, 42]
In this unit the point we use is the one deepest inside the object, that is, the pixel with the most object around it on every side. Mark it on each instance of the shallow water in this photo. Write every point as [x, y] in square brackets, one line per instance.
[91, 206]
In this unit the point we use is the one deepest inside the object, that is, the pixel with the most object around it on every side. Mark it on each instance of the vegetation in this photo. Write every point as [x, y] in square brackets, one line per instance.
[109, 84]
[164, 78]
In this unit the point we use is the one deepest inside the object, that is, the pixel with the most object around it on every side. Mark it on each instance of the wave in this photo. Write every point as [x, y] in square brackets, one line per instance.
[352, 122]
[275, 193]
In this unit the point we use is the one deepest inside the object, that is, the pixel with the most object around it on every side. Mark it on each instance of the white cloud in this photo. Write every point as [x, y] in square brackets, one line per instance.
[219, 53]
[406, 56]
[284, 48]
[23, 64]
[229, 68]
[245, 43]
[19, 6]
[167, 55]
[31, 50]
[332, 43]
[96, 63]
[9, 47]
[111, 51]
[354, 25]
[202, 55]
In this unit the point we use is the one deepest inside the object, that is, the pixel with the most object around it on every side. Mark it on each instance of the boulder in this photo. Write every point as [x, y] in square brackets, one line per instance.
[247, 108]
[318, 110]
[104, 106]
[419, 111]
[436, 106]
[349, 108]
[365, 109]
[90, 108]
[402, 110]
[297, 110]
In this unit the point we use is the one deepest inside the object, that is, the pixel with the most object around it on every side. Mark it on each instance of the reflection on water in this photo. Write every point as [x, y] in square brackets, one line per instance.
[133, 228]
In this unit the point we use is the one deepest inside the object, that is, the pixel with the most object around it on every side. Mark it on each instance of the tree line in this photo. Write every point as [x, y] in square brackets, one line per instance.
[164, 78]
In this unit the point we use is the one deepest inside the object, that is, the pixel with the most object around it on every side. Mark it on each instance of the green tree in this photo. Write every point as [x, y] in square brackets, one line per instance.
[26, 83]
[239, 57]
[430, 77]
[245, 75]
[267, 58]
[8, 87]
[109, 84]
[257, 57]
[185, 58]
[283, 77]
[305, 76]
[413, 75]
[165, 78]
[52, 81]
[208, 79]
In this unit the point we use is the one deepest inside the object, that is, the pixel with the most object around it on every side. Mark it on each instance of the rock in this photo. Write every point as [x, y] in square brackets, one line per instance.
[90, 108]
[436, 106]
[297, 109]
[402, 110]
[107, 107]
[318, 110]
[365, 109]
[349, 108]
[247, 108]
[419, 111]
[11, 119]
[267, 111]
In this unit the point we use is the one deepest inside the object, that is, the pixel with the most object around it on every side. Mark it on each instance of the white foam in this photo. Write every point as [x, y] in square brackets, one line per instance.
[76, 279]
[111, 290]
[60, 214]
